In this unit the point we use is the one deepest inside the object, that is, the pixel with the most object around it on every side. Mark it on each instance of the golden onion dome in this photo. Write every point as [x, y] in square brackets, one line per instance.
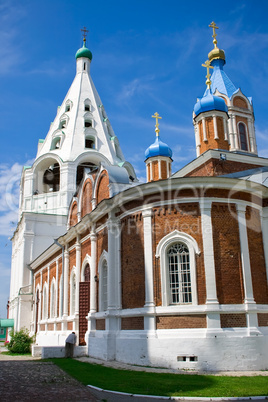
[216, 53]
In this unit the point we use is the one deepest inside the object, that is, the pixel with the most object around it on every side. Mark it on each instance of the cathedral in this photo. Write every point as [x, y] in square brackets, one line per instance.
[167, 273]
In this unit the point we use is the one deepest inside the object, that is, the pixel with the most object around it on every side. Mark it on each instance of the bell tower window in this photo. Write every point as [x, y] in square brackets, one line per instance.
[88, 123]
[89, 143]
[243, 137]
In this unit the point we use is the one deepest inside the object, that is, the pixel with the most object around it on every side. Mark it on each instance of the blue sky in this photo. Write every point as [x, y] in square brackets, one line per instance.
[147, 57]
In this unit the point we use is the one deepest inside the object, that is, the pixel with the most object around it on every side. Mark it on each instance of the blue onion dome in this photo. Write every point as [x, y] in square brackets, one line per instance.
[83, 52]
[210, 102]
[158, 148]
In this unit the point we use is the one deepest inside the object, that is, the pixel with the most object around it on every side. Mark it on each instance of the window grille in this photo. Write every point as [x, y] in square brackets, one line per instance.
[179, 274]
[104, 286]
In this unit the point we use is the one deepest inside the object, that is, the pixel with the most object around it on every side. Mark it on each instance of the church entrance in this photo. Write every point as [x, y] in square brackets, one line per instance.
[84, 305]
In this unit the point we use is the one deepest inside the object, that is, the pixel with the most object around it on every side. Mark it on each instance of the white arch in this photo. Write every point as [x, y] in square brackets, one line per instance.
[53, 296]
[45, 295]
[103, 282]
[72, 290]
[87, 260]
[161, 251]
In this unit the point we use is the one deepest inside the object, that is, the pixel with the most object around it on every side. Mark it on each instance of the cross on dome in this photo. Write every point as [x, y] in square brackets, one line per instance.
[214, 26]
[156, 117]
[208, 66]
[84, 33]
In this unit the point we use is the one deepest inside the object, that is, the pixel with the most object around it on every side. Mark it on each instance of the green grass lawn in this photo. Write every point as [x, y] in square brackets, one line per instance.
[15, 354]
[137, 382]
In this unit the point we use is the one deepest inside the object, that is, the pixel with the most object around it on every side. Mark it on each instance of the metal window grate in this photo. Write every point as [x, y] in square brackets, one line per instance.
[179, 274]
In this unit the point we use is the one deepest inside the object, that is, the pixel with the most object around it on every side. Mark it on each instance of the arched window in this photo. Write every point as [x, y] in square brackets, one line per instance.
[61, 298]
[243, 136]
[88, 123]
[45, 300]
[53, 300]
[87, 273]
[63, 124]
[55, 143]
[89, 142]
[177, 252]
[72, 293]
[37, 318]
[103, 286]
[179, 274]
[51, 178]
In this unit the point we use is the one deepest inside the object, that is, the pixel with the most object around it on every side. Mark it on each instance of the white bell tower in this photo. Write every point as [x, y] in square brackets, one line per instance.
[80, 137]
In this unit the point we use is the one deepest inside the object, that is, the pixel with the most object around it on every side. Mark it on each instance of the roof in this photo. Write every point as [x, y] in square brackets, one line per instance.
[220, 81]
[258, 175]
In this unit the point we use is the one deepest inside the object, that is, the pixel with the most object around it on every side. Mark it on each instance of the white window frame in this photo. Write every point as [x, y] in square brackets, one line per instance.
[161, 252]
[45, 302]
[53, 313]
[103, 301]
[72, 291]
[60, 297]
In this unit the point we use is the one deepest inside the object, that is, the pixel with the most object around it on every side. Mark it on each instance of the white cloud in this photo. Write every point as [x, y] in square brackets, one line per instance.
[9, 199]
[10, 51]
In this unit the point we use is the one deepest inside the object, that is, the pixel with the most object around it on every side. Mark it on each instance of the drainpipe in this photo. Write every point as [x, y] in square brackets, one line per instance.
[62, 275]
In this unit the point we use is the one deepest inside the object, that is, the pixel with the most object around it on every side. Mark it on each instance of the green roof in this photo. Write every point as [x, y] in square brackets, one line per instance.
[7, 323]
[83, 52]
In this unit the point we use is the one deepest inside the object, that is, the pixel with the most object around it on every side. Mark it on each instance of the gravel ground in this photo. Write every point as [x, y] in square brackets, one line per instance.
[32, 380]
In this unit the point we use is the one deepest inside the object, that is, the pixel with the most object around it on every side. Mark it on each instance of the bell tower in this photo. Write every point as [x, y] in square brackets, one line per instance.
[80, 137]
[229, 127]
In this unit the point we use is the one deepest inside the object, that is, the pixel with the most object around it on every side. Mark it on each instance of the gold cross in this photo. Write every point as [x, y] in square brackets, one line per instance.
[208, 66]
[85, 31]
[214, 26]
[156, 117]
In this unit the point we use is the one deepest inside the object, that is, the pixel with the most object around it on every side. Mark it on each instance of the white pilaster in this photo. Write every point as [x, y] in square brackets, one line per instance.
[216, 136]
[231, 134]
[209, 260]
[245, 260]
[148, 257]
[57, 289]
[93, 271]
[265, 236]
[78, 272]
[48, 291]
[204, 129]
[66, 283]
[225, 129]
[113, 262]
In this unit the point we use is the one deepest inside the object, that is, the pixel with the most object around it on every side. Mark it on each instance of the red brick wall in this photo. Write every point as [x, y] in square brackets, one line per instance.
[181, 321]
[132, 262]
[233, 320]
[217, 167]
[256, 254]
[132, 323]
[240, 102]
[164, 172]
[211, 142]
[185, 218]
[226, 241]
[85, 249]
[155, 170]
[263, 319]
[103, 187]
[73, 215]
[86, 198]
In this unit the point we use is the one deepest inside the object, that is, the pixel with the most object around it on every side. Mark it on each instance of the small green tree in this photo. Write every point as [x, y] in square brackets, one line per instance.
[20, 342]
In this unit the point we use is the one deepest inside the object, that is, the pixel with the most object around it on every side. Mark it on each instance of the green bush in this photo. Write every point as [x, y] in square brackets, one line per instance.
[20, 342]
